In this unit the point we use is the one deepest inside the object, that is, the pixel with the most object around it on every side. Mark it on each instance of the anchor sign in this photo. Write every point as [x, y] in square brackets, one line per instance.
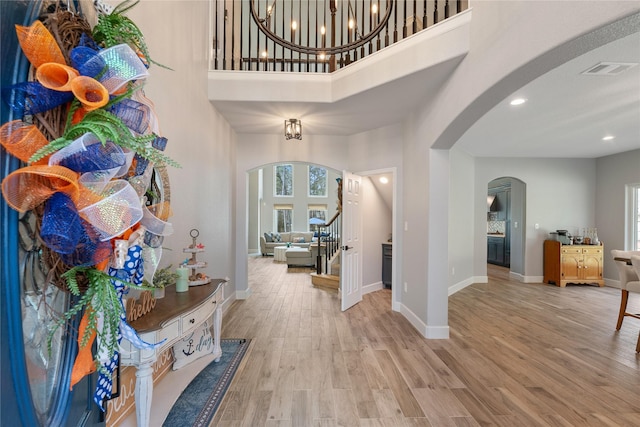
[188, 351]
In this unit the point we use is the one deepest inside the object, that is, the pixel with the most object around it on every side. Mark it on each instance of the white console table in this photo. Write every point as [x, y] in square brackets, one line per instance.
[174, 316]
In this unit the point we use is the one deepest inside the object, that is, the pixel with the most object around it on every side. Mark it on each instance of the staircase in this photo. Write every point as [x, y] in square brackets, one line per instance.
[327, 273]
[330, 280]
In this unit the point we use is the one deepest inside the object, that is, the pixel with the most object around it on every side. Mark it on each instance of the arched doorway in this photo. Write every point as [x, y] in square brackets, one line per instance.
[380, 222]
[506, 225]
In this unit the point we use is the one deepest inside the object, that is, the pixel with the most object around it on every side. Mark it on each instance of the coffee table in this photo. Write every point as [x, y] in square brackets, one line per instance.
[279, 253]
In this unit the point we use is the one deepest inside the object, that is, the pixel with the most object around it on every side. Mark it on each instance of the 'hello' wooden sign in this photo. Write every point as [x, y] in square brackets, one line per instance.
[136, 308]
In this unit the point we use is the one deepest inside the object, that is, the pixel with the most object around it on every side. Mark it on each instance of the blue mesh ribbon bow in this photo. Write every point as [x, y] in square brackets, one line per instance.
[133, 271]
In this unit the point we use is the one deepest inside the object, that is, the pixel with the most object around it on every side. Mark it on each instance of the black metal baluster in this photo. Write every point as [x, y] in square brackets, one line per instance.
[284, 50]
[291, 35]
[446, 9]
[414, 24]
[377, 21]
[309, 33]
[435, 12]
[233, 37]
[324, 37]
[215, 40]
[342, 55]
[248, 59]
[404, 25]
[424, 16]
[300, 33]
[273, 43]
[258, 53]
[361, 28]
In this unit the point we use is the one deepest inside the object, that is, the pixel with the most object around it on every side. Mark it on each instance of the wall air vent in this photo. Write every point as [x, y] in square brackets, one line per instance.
[609, 68]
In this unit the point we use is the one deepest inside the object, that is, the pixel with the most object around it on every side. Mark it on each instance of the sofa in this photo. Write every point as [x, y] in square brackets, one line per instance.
[268, 241]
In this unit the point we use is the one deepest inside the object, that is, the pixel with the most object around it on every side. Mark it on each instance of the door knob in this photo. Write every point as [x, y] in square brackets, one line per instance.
[346, 248]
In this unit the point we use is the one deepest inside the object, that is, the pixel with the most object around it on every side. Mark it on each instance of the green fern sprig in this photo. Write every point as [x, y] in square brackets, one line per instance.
[142, 146]
[107, 127]
[115, 28]
[100, 297]
[50, 148]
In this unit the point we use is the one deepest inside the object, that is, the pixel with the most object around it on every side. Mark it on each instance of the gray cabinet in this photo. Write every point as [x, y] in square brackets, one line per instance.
[495, 250]
[502, 198]
[387, 252]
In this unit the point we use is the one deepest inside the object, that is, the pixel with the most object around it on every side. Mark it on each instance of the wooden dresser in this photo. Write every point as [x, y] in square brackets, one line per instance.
[572, 263]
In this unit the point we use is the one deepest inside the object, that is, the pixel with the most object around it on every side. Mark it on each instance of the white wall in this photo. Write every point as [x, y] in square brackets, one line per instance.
[560, 195]
[376, 228]
[461, 214]
[253, 204]
[200, 139]
[613, 173]
[377, 150]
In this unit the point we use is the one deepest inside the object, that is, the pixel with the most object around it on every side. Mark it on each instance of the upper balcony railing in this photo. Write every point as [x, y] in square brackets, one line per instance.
[314, 35]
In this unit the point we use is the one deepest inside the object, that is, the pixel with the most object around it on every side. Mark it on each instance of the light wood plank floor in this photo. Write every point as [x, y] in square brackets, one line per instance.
[519, 355]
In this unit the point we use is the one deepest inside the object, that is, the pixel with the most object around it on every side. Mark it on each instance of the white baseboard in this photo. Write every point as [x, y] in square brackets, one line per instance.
[437, 333]
[484, 279]
[612, 283]
[466, 282]
[243, 294]
[429, 332]
[530, 279]
[372, 288]
[413, 319]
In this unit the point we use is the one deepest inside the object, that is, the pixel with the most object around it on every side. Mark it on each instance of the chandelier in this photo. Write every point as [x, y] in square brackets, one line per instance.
[349, 26]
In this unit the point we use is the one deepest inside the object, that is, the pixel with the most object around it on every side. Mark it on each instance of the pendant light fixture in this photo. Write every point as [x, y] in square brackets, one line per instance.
[293, 129]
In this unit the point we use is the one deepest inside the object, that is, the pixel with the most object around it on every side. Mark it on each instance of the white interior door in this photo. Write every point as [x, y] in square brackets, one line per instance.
[351, 240]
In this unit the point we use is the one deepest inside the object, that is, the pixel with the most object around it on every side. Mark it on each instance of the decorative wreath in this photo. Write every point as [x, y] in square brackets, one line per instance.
[89, 140]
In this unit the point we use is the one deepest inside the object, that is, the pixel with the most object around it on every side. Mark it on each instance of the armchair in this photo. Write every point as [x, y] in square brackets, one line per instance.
[629, 282]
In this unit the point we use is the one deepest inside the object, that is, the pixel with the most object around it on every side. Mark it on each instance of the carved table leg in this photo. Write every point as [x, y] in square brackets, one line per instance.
[217, 323]
[144, 392]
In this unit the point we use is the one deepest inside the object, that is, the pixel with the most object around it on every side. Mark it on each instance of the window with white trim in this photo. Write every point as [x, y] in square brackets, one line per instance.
[283, 180]
[318, 212]
[317, 181]
[283, 218]
[633, 217]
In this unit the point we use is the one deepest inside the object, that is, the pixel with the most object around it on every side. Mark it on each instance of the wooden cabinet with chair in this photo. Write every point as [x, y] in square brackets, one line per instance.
[572, 263]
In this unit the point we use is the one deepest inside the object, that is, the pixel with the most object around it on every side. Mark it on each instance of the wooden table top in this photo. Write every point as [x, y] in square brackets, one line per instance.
[175, 303]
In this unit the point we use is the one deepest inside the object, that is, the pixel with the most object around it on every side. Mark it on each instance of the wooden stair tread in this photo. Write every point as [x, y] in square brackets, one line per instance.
[325, 280]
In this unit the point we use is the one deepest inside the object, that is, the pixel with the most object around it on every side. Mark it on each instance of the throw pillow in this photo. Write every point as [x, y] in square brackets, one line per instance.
[298, 240]
[192, 347]
[267, 237]
[276, 237]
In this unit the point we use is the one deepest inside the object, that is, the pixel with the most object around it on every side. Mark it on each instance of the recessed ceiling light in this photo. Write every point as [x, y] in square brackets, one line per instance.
[384, 179]
[608, 138]
[518, 101]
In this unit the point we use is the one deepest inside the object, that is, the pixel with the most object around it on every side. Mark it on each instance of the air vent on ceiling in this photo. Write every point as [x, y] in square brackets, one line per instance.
[609, 68]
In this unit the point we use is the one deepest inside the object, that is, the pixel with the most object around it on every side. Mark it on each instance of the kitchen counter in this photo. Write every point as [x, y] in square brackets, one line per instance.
[495, 235]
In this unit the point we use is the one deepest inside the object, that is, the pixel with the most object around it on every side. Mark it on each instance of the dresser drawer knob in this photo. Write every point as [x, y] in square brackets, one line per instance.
[192, 321]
